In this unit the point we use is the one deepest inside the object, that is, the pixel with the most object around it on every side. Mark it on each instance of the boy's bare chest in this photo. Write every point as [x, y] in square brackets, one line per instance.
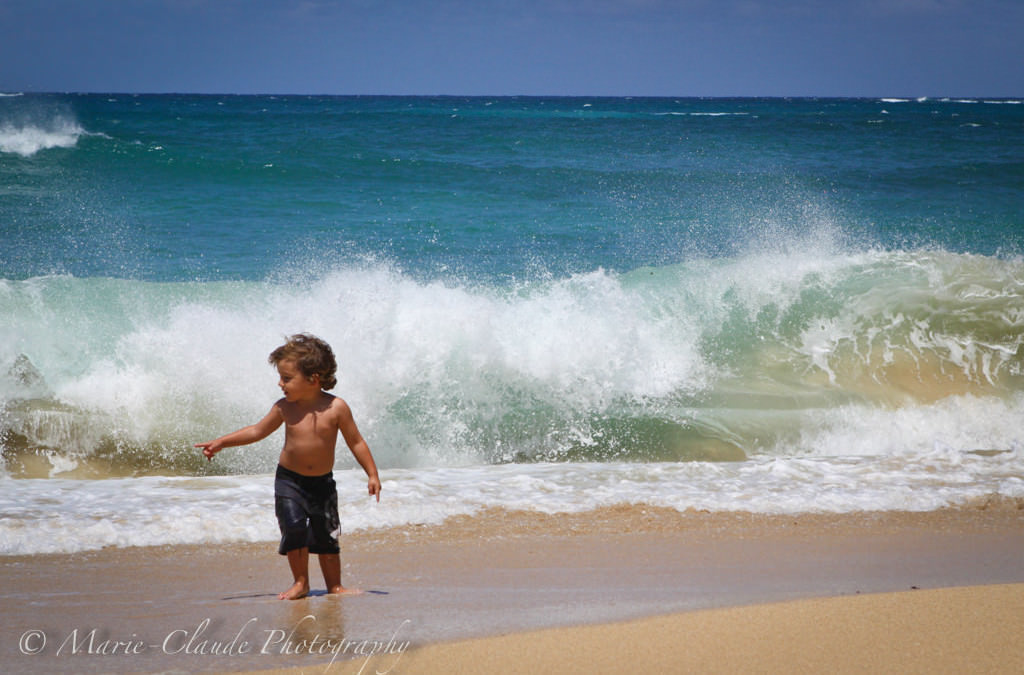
[310, 422]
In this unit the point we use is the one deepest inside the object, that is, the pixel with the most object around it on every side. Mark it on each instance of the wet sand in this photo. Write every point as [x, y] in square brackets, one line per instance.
[614, 590]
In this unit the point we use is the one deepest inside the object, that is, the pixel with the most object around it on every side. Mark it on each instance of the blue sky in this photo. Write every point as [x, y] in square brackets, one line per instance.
[501, 47]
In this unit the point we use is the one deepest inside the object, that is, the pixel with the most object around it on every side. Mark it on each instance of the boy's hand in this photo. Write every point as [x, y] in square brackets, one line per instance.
[210, 448]
[374, 486]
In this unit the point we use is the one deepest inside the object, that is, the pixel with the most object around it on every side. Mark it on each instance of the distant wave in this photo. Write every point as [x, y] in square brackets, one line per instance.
[28, 139]
[919, 99]
[990, 101]
[704, 114]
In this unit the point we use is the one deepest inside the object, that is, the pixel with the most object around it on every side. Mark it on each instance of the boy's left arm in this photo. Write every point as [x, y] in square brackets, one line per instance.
[357, 445]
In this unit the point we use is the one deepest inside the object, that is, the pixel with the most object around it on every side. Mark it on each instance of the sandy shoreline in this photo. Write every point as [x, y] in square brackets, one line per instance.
[502, 589]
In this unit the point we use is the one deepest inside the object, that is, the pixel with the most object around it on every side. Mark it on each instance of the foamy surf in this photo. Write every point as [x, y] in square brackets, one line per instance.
[60, 515]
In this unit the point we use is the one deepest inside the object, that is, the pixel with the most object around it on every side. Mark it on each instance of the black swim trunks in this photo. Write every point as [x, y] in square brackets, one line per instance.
[307, 511]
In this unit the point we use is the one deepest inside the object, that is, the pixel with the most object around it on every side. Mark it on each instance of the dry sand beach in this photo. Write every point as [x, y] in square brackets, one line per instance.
[625, 589]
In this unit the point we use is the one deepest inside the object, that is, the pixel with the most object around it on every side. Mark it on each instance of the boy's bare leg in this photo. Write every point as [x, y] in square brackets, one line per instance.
[298, 561]
[330, 565]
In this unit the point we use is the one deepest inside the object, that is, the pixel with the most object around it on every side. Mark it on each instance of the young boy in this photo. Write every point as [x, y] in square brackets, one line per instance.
[305, 497]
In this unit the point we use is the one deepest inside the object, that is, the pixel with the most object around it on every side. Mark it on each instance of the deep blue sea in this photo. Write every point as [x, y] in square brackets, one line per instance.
[553, 304]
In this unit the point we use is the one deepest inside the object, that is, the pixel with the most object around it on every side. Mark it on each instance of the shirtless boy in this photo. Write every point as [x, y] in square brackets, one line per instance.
[305, 497]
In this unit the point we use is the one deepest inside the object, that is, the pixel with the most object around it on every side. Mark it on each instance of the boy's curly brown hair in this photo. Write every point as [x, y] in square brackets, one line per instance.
[312, 356]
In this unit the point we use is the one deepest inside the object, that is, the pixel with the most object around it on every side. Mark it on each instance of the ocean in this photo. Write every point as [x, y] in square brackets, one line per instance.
[549, 304]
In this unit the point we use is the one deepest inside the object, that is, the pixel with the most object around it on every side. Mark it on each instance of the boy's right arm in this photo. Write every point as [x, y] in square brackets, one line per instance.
[245, 435]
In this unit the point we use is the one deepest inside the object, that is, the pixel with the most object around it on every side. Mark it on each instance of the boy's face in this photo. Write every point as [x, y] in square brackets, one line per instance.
[295, 385]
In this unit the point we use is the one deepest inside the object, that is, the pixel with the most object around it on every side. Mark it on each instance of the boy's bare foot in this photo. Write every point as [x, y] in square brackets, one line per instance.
[297, 590]
[341, 590]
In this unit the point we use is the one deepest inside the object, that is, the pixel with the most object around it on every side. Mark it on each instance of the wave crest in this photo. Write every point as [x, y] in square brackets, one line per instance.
[710, 359]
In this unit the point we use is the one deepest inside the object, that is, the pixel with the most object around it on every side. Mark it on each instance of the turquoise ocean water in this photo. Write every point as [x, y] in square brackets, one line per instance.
[553, 304]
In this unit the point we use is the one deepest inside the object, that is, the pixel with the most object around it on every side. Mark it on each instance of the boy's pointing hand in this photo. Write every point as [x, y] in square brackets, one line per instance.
[209, 449]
